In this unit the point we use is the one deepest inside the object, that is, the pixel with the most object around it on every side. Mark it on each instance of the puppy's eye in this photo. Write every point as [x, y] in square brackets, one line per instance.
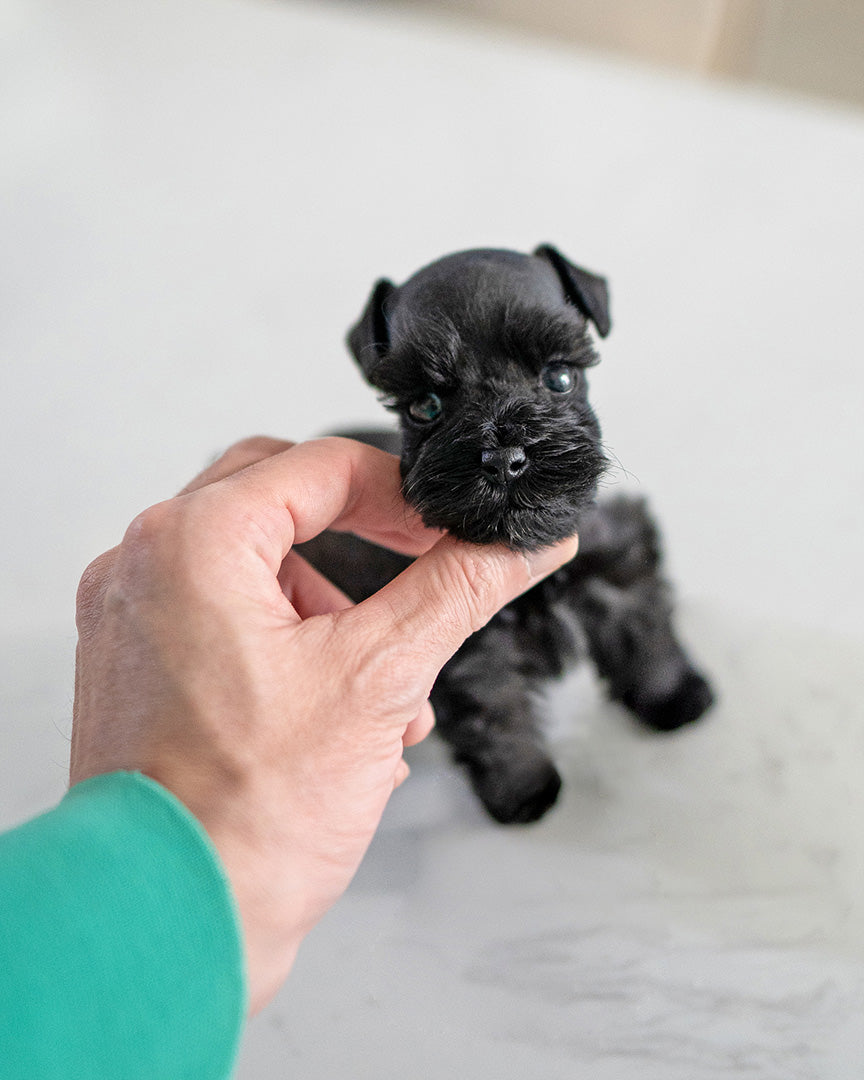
[426, 409]
[559, 378]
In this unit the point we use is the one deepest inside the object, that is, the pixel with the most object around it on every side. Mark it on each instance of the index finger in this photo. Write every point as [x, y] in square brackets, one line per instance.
[330, 483]
[238, 456]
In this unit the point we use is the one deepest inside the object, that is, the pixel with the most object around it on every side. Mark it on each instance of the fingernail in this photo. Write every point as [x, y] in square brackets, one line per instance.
[546, 560]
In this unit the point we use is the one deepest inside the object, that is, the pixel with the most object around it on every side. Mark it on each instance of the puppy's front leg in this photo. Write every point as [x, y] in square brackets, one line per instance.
[485, 712]
[625, 607]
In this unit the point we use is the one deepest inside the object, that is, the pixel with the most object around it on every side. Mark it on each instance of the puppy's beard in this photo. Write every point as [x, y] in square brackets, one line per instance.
[446, 485]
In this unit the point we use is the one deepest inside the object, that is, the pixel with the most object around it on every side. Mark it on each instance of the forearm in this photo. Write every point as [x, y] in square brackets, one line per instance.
[120, 949]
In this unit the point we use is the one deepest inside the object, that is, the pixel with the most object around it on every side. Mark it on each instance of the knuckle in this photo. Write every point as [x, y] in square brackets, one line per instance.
[147, 528]
[91, 590]
[158, 541]
[95, 574]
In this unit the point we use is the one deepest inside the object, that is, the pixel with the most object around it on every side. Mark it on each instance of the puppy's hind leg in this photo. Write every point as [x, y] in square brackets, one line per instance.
[625, 607]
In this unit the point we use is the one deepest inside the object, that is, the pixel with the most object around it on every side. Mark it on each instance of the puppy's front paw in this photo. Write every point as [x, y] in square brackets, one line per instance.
[513, 797]
[692, 697]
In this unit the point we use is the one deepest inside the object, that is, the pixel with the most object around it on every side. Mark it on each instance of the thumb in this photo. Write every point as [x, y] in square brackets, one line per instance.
[452, 590]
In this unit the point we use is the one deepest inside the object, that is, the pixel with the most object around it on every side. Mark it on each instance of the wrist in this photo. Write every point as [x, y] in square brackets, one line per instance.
[271, 893]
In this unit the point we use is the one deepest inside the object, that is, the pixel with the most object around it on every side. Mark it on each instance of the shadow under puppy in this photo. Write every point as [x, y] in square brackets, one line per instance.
[482, 355]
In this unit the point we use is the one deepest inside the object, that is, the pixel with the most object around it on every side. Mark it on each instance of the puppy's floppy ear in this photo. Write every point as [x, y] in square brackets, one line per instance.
[586, 291]
[369, 338]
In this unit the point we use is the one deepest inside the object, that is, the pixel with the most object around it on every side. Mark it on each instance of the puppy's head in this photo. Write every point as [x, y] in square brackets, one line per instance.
[483, 356]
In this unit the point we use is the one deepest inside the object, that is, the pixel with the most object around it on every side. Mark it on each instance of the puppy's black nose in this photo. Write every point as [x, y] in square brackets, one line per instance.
[504, 463]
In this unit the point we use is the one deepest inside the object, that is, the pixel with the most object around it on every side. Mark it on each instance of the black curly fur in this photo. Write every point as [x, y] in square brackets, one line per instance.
[479, 331]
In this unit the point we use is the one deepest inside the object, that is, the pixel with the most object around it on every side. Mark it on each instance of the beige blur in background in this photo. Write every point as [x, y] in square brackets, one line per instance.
[805, 46]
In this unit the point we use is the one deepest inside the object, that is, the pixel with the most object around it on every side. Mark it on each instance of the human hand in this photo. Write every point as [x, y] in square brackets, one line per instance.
[214, 659]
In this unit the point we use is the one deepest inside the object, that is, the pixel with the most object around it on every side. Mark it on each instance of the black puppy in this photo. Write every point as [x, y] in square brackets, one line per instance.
[483, 357]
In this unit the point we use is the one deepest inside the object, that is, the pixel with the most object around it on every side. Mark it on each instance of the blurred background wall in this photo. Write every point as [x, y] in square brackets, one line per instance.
[806, 46]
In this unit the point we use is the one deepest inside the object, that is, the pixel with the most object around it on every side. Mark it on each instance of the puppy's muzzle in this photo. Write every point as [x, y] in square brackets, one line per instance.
[504, 463]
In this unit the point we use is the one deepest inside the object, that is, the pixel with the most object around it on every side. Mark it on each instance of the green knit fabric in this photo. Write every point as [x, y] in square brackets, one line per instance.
[120, 946]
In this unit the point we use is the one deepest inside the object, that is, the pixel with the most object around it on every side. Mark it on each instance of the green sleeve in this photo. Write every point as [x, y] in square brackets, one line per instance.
[120, 947]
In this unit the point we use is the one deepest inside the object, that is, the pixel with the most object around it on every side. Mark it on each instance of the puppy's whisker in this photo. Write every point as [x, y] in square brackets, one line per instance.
[616, 463]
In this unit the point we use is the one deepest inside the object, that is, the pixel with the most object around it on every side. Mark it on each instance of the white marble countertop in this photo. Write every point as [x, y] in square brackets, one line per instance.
[194, 201]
